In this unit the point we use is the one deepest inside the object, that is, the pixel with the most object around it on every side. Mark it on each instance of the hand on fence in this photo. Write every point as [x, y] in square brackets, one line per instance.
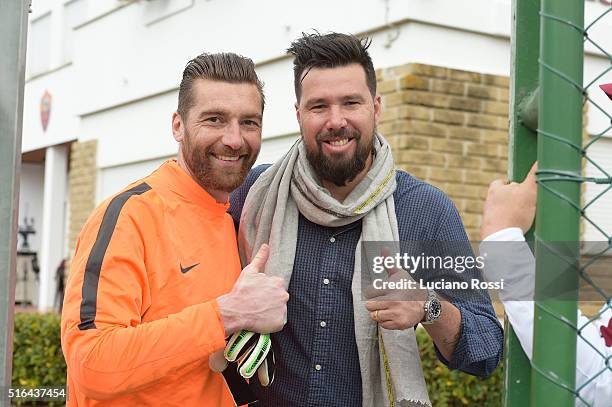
[510, 205]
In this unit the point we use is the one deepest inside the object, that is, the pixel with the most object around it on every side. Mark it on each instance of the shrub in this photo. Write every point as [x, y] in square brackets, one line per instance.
[37, 354]
[454, 388]
[38, 361]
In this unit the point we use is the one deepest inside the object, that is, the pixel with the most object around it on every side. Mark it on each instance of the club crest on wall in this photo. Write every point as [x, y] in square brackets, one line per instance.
[45, 109]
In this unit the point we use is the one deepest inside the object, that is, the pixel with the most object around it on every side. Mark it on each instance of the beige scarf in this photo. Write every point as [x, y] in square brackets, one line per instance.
[391, 372]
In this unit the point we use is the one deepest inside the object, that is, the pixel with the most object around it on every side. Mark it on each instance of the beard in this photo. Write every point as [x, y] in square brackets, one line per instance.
[208, 173]
[339, 168]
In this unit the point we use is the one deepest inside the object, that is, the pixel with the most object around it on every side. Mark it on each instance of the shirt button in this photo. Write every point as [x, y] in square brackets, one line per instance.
[323, 324]
[332, 239]
[317, 367]
[326, 281]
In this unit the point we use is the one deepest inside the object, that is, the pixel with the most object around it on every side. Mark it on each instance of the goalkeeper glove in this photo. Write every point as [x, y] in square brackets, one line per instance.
[253, 353]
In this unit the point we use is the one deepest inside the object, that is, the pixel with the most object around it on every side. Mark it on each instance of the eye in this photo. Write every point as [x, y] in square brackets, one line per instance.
[213, 119]
[317, 107]
[251, 123]
[351, 102]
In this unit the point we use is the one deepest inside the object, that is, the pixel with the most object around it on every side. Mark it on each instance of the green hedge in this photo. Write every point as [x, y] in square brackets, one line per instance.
[37, 353]
[457, 389]
[38, 361]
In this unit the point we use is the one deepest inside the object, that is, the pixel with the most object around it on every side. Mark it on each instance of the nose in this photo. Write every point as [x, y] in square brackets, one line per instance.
[336, 119]
[232, 137]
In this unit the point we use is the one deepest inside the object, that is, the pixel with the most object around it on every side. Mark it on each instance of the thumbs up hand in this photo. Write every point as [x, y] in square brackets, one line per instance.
[257, 302]
[398, 308]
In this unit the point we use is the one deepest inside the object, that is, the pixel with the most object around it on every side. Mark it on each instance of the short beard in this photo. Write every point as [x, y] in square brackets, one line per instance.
[339, 171]
[199, 160]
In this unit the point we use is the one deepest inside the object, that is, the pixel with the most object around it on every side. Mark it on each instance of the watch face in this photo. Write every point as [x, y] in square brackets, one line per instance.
[435, 309]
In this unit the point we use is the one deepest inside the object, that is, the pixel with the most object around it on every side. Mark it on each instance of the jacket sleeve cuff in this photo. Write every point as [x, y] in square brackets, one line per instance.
[478, 350]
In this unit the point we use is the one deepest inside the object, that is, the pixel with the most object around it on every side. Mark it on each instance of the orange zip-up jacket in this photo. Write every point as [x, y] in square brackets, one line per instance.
[140, 317]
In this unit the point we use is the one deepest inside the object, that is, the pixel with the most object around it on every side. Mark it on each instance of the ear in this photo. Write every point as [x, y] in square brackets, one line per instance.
[178, 127]
[377, 108]
[297, 111]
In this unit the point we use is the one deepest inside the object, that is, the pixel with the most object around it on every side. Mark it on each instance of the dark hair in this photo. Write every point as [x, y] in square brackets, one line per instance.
[330, 51]
[224, 67]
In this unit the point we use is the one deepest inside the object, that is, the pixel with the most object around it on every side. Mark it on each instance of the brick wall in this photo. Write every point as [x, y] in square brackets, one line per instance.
[449, 128]
[82, 182]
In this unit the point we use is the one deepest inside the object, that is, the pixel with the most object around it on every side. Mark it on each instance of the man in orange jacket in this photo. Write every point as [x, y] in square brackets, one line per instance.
[155, 284]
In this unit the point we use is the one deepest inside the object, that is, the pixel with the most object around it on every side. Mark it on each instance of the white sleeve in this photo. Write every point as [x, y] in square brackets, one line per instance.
[518, 270]
[515, 264]
[506, 235]
[591, 354]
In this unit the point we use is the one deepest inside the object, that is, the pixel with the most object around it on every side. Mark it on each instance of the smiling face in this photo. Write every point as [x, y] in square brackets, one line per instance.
[338, 117]
[221, 135]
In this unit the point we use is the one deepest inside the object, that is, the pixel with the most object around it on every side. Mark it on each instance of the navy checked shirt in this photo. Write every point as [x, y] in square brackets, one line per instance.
[316, 354]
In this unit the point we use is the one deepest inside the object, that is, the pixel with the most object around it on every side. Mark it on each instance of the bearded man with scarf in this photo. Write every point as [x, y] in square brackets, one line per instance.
[336, 187]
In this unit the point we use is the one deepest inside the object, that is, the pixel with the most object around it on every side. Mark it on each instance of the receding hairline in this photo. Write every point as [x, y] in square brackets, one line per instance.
[254, 114]
[220, 67]
[196, 81]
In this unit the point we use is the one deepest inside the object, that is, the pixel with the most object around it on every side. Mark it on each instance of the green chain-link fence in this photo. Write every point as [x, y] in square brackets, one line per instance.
[548, 99]
[604, 178]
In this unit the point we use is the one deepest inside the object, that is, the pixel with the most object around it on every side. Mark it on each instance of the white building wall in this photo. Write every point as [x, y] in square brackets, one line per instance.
[133, 132]
[63, 124]
[114, 179]
[471, 35]
[127, 60]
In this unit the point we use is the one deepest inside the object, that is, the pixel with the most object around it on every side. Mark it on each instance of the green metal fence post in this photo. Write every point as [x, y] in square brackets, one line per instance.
[525, 45]
[13, 28]
[558, 214]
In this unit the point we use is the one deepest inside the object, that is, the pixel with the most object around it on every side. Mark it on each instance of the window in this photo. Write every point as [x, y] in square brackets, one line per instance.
[39, 55]
[75, 13]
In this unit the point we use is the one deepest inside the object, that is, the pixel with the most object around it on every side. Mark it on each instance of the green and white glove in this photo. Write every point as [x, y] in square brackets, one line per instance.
[253, 353]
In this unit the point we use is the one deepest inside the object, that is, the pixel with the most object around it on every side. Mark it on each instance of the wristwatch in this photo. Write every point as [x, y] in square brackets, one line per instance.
[433, 308]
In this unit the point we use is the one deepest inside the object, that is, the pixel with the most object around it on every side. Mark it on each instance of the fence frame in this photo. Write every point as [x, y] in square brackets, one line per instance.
[13, 35]
[524, 76]
[558, 211]
[546, 99]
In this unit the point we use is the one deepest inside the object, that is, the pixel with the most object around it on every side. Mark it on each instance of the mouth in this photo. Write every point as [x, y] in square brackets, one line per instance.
[229, 159]
[338, 145]
[339, 142]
